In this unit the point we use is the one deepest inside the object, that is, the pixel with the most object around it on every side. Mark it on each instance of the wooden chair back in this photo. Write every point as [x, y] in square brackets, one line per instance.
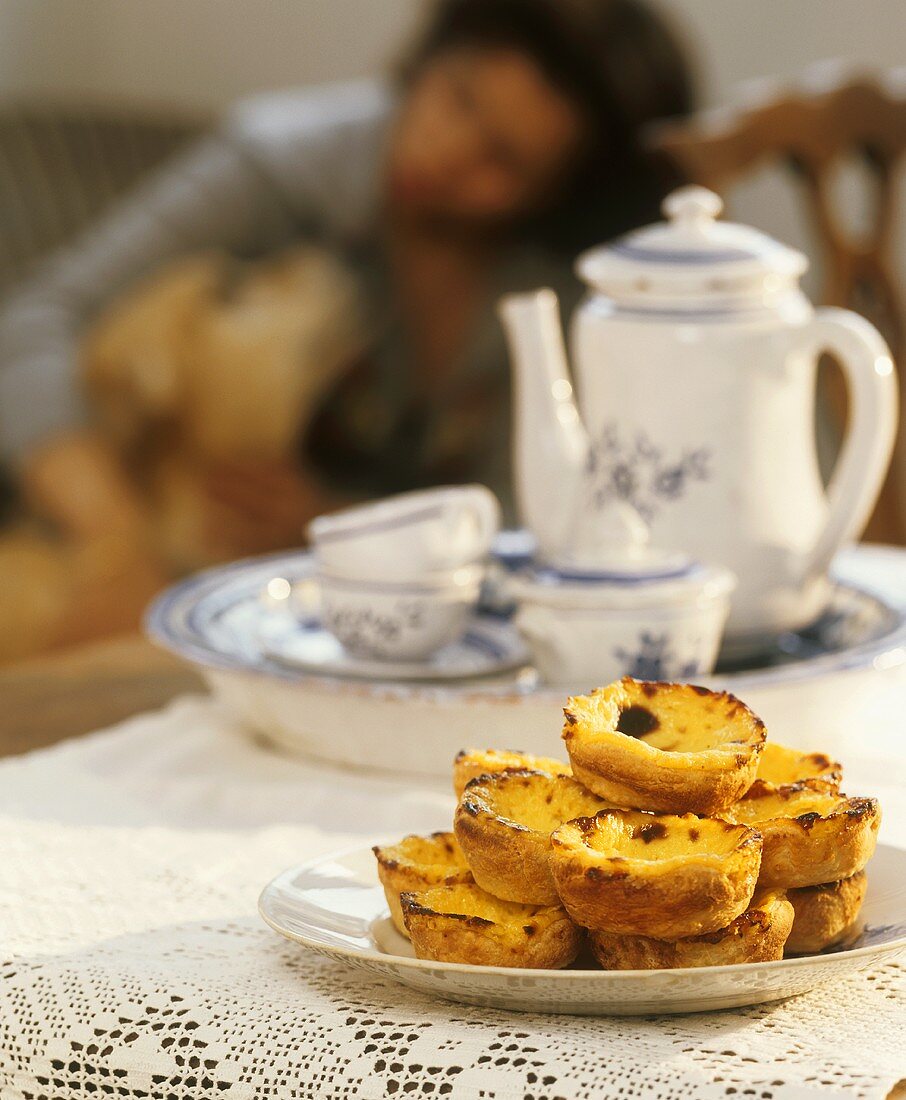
[826, 122]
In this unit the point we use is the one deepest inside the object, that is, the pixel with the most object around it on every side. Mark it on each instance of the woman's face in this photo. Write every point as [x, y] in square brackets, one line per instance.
[482, 137]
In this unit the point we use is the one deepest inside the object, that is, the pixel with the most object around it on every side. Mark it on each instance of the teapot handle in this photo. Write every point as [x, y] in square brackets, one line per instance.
[866, 362]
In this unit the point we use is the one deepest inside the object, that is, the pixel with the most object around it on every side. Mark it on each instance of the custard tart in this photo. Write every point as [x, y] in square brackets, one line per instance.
[503, 824]
[756, 935]
[471, 763]
[416, 863]
[659, 746]
[811, 835]
[466, 925]
[658, 875]
[781, 766]
[825, 915]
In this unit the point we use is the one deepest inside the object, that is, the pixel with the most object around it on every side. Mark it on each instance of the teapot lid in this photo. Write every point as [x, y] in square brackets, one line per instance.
[691, 253]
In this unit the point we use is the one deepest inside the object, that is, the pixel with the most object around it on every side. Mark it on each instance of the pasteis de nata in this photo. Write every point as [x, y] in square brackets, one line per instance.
[756, 935]
[416, 863]
[504, 823]
[466, 924]
[675, 748]
[825, 915]
[658, 875]
[676, 836]
[811, 835]
[781, 767]
[472, 763]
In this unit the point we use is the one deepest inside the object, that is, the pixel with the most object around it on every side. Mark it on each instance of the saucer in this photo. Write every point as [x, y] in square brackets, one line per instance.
[488, 647]
[336, 906]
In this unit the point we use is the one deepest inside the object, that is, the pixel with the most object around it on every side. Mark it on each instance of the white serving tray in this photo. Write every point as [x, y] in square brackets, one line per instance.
[836, 687]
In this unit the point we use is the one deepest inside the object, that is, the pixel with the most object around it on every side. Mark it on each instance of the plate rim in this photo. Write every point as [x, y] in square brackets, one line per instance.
[517, 688]
[561, 975]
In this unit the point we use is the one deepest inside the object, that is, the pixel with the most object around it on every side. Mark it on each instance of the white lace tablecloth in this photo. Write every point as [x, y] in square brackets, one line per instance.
[133, 963]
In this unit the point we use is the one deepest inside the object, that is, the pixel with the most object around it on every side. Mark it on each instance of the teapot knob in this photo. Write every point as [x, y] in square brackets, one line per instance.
[692, 203]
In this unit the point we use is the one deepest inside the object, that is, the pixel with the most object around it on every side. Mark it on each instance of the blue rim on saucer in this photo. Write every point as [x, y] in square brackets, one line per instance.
[214, 619]
[484, 650]
[192, 620]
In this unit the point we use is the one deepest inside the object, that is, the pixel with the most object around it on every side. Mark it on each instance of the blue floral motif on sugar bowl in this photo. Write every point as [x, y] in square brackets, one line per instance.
[652, 659]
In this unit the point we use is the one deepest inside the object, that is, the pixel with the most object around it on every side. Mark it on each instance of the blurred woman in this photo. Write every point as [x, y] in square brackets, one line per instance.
[510, 138]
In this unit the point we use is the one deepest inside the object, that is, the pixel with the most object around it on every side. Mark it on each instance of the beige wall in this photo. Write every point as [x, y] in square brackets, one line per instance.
[200, 54]
[739, 43]
[738, 40]
[191, 53]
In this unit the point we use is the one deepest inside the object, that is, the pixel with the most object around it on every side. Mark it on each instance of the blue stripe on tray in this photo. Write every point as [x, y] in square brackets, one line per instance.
[484, 645]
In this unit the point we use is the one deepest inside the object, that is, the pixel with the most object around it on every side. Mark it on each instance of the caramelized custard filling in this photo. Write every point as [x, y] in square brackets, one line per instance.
[779, 765]
[750, 811]
[496, 760]
[440, 851]
[636, 721]
[541, 802]
[670, 720]
[472, 901]
[649, 837]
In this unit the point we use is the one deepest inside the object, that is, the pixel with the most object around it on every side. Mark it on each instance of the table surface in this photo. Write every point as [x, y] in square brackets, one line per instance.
[74, 691]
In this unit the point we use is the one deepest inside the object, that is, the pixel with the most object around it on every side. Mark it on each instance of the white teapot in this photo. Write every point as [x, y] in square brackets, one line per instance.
[694, 357]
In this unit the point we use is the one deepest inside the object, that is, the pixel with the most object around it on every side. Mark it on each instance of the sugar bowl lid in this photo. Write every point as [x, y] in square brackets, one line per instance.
[692, 252]
[612, 566]
[611, 541]
[692, 583]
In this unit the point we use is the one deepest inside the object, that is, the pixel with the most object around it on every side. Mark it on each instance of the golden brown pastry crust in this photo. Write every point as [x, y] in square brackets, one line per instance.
[781, 766]
[472, 763]
[825, 915]
[811, 836]
[757, 935]
[659, 746]
[416, 863]
[503, 824]
[656, 875]
[466, 925]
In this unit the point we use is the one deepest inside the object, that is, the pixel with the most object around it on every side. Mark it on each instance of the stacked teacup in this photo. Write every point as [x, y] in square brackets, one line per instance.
[401, 577]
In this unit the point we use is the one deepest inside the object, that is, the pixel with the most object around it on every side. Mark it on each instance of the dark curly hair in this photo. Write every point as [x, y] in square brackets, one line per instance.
[622, 66]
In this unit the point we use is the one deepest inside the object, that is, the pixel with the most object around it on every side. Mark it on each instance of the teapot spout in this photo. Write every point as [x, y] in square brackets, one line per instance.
[550, 443]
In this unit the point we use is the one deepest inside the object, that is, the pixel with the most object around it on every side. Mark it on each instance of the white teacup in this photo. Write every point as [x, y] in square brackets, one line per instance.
[407, 536]
[399, 620]
[586, 632]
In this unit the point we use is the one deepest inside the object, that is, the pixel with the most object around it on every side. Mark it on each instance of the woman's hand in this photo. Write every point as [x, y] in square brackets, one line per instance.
[96, 573]
[78, 482]
[259, 505]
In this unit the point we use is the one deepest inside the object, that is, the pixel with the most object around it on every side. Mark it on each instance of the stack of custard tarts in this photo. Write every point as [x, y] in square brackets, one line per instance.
[675, 837]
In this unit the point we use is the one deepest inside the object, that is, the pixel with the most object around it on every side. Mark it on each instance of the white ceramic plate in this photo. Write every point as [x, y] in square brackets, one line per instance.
[336, 906]
[488, 648]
